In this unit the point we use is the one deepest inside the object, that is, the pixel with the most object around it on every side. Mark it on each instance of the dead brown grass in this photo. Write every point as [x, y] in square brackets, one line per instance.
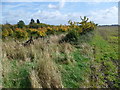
[42, 52]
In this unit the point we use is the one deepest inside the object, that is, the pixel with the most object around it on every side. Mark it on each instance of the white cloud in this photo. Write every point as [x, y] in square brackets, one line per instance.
[56, 17]
[107, 16]
[60, 5]
[52, 6]
[14, 16]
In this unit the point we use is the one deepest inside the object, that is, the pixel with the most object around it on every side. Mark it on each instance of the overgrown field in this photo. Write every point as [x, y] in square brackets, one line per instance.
[83, 56]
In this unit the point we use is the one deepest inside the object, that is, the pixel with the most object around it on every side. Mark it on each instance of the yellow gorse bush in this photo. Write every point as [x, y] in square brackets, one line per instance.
[21, 33]
[49, 28]
[42, 31]
[78, 27]
[5, 33]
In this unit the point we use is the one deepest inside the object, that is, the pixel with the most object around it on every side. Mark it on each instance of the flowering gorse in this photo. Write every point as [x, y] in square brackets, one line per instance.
[78, 27]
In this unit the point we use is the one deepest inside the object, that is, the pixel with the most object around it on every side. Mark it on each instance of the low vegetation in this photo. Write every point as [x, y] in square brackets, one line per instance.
[79, 55]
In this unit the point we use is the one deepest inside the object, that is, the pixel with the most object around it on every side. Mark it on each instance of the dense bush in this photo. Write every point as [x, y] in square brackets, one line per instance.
[72, 36]
[20, 24]
[78, 30]
[74, 30]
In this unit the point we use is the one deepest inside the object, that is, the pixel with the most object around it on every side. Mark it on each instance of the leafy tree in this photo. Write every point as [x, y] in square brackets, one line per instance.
[20, 24]
[38, 21]
[33, 24]
[32, 21]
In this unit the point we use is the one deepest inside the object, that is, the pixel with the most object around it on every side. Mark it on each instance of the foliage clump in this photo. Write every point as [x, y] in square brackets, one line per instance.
[37, 29]
[78, 29]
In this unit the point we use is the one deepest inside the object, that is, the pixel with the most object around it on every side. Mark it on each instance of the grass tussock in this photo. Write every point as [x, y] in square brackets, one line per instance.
[48, 73]
[44, 73]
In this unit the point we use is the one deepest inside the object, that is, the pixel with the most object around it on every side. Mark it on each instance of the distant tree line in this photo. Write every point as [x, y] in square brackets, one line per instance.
[32, 24]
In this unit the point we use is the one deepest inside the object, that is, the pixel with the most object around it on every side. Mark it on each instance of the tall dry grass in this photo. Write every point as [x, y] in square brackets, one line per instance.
[43, 52]
[0, 63]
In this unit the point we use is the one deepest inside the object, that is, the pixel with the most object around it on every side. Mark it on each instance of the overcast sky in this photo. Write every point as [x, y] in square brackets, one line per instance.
[59, 12]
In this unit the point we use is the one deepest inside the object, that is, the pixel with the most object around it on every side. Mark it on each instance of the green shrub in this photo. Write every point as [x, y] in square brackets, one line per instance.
[72, 36]
[20, 24]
